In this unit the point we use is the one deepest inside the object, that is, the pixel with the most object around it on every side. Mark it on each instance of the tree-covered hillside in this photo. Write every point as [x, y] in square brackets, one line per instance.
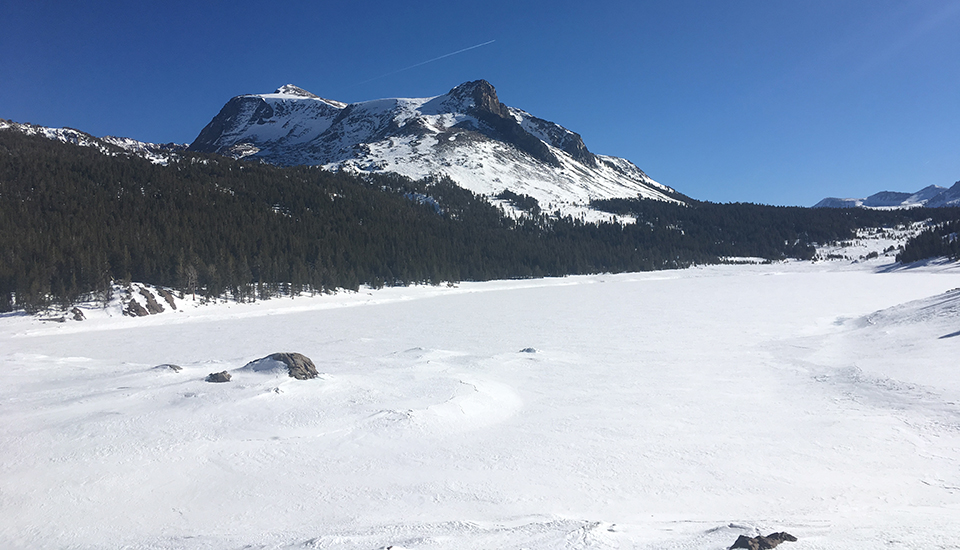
[940, 240]
[756, 230]
[73, 219]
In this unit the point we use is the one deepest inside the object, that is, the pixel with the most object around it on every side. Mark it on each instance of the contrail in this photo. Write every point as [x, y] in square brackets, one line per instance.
[423, 63]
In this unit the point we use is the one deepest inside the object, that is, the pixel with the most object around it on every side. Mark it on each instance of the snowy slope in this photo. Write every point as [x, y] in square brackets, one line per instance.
[466, 134]
[657, 410]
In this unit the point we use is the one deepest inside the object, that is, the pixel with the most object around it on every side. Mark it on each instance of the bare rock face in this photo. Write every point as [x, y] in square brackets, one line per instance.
[134, 309]
[218, 377]
[763, 543]
[168, 296]
[152, 306]
[298, 366]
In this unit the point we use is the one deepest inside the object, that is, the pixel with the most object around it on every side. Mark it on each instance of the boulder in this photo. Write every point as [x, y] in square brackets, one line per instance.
[218, 377]
[762, 543]
[297, 365]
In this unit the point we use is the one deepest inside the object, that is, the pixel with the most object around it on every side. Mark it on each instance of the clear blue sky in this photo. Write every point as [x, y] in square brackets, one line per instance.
[770, 101]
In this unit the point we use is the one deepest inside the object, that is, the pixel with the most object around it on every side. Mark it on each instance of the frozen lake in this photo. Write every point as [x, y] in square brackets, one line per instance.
[667, 410]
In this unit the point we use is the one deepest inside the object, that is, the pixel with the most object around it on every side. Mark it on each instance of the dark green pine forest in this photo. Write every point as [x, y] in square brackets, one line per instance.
[74, 220]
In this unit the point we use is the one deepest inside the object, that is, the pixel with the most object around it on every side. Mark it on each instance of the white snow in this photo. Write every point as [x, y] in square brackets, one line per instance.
[656, 410]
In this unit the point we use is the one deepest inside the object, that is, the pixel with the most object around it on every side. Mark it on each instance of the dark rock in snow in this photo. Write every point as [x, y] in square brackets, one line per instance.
[134, 309]
[174, 368]
[528, 350]
[77, 314]
[152, 305]
[763, 543]
[298, 366]
[168, 296]
[218, 377]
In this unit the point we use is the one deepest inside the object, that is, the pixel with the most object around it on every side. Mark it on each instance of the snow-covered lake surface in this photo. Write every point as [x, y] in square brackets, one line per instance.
[665, 410]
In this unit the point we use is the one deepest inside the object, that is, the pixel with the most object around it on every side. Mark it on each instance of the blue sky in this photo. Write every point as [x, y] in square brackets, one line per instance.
[767, 101]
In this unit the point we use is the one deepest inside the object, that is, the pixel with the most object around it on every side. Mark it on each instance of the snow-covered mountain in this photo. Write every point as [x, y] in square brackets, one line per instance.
[932, 196]
[158, 153]
[466, 134]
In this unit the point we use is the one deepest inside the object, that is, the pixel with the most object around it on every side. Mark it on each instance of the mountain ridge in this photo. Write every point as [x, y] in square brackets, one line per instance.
[466, 134]
[931, 196]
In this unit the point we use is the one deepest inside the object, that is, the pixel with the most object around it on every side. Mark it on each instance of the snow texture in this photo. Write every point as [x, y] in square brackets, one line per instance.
[672, 410]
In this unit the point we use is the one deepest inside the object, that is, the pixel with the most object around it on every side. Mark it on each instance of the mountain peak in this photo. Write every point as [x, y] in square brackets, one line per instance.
[466, 134]
[484, 96]
[290, 89]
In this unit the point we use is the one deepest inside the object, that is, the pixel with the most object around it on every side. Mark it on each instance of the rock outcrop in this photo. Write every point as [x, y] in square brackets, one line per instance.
[153, 307]
[218, 377]
[134, 309]
[763, 543]
[168, 296]
[297, 365]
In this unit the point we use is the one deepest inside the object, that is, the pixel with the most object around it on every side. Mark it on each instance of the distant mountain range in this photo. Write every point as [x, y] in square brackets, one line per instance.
[158, 153]
[931, 197]
[466, 134]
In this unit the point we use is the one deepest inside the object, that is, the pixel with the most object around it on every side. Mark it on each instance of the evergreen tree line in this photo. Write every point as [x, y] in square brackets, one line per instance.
[73, 220]
[755, 230]
[941, 240]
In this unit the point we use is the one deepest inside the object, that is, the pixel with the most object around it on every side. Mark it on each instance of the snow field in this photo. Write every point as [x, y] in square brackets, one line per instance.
[657, 410]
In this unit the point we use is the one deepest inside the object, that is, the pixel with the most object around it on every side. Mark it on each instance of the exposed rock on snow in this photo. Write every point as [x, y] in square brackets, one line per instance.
[297, 365]
[152, 306]
[174, 368]
[168, 296]
[134, 309]
[223, 376]
[763, 543]
[77, 314]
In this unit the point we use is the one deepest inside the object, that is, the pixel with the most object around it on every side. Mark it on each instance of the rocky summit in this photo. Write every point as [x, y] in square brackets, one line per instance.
[467, 134]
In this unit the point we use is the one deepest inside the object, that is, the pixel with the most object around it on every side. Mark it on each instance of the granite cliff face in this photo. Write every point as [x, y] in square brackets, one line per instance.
[466, 134]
